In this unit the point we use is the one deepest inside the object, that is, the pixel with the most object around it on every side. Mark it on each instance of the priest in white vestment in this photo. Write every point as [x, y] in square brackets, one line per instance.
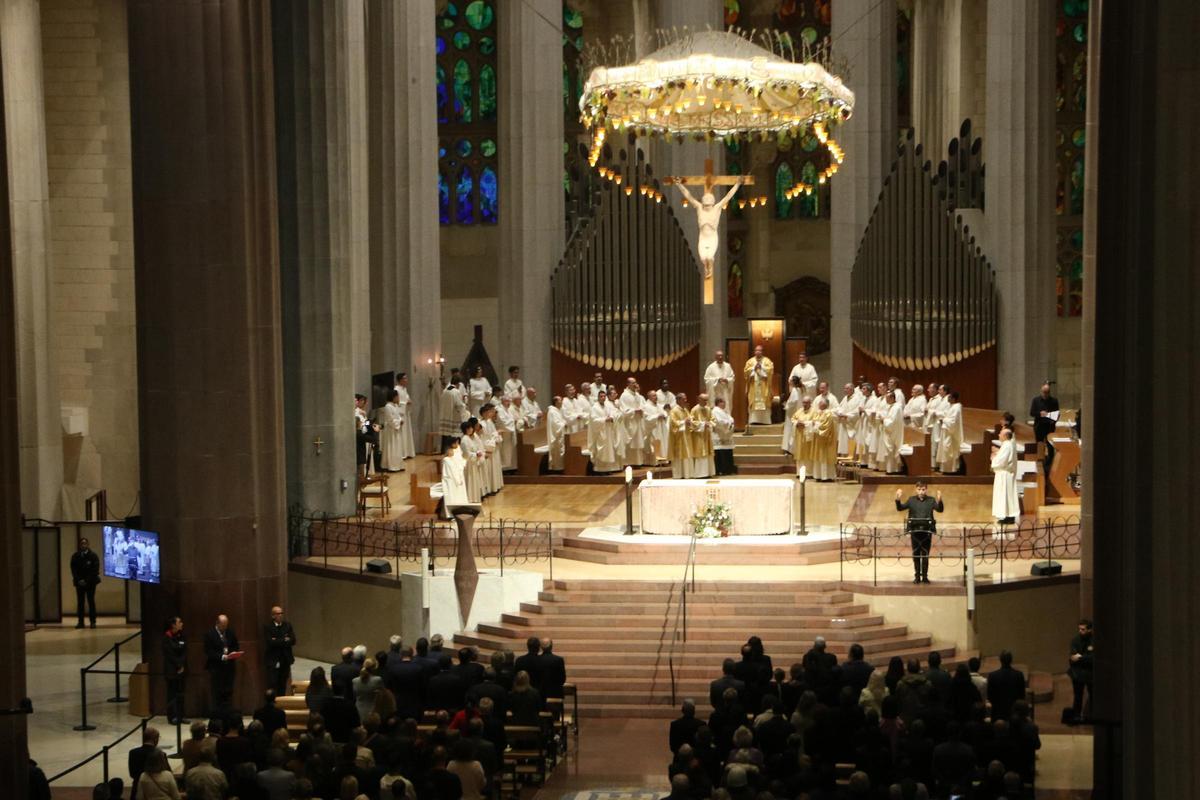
[847, 418]
[479, 391]
[666, 398]
[703, 464]
[556, 434]
[874, 443]
[632, 414]
[757, 374]
[391, 426]
[718, 379]
[452, 412]
[491, 444]
[893, 386]
[934, 404]
[454, 480]
[514, 387]
[722, 438]
[790, 407]
[831, 402]
[407, 448]
[506, 426]
[891, 434]
[1006, 507]
[531, 412]
[596, 387]
[575, 409]
[914, 409]
[679, 424]
[604, 435]
[950, 449]
[807, 374]
[655, 429]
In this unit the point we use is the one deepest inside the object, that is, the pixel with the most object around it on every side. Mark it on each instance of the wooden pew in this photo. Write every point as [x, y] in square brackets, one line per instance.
[421, 481]
[916, 464]
[1066, 461]
[529, 461]
[575, 462]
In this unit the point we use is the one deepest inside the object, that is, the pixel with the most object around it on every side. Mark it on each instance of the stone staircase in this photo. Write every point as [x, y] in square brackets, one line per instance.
[758, 452]
[616, 635]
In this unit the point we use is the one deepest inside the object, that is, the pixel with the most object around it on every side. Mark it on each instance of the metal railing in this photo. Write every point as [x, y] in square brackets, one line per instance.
[103, 752]
[116, 672]
[953, 544]
[679, 633]
[497, 542]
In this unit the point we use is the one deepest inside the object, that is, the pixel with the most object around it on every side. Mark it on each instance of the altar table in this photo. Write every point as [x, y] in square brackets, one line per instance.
[758, 505]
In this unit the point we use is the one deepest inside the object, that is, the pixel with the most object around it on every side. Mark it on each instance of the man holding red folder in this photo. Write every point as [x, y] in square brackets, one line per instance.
[221, 653]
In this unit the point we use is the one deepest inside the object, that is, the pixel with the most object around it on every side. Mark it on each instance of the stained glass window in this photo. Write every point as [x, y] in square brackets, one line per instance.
[1070, 146]
[468, 171]
[783, 183]
[810, 204]
[574, 133]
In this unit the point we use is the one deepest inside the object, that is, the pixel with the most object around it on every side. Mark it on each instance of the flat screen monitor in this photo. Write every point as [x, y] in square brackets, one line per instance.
[131, 554]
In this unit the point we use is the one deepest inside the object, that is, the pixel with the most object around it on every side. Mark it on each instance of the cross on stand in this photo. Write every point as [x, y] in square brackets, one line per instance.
[708, 213]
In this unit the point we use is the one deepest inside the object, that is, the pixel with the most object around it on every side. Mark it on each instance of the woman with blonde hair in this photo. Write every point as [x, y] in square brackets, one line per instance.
[366, 687]
[871, 697]
[524, 701]
[157, 782]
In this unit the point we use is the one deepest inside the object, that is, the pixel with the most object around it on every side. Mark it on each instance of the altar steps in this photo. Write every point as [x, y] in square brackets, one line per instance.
[790, 551]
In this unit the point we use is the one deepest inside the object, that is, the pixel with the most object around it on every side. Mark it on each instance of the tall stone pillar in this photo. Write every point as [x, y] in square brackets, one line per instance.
[687, 158]
[406, 310]
[531, 211]
[39, 411]
[209, 378]
[13, 728]
[864, 38]
[1146, 301]
[320, 105]
[1019, 151]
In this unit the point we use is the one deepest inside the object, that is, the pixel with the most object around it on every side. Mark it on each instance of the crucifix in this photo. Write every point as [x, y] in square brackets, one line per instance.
[708, 213]
[317, 443]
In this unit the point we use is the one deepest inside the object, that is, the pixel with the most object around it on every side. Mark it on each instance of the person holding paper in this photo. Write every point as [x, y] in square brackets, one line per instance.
[220, 659]
[1044, 411]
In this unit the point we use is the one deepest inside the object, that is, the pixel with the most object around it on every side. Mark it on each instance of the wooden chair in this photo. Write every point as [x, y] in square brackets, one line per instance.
[529, 459]
[373, 487]
[524, 760]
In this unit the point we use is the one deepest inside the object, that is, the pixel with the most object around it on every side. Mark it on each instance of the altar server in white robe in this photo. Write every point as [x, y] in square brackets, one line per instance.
[807, 374]
[472, 450]
[718, 379]
[514, 387]
[604, 435]
[950, 449]
[790, 407]
[891, 434]
[934, 405]
[666, 398]
[575, 409]
[407, 449]
[479, 391]
[531, 412]
[914, 409]
[722, 438]
[655, 429]
[491, 444]
[632, 414]
[703, 465]
[1005, 505]
[847, 418]
[556, 434]
[866, 412]
[391, 426]
[454, 479]
[506, 426]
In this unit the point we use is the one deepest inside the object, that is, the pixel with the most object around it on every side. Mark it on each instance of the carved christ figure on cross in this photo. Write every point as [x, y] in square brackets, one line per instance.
[708, 214]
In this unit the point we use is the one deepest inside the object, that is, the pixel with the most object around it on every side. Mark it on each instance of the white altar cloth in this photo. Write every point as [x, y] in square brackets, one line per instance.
[759, 506]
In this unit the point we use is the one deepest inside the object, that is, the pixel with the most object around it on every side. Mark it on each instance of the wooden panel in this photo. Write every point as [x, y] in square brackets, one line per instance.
[974, 378]
[736, 353]
[793, 347]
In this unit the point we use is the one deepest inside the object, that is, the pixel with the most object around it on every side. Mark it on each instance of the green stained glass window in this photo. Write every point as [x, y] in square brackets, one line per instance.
[1077, 187]
[809, 35]
[462, 91]
[810, 204]
[487, 148]
[572, 18]
[1078, 138]
[487, 92]
[487, 45]
[1079, 101]
[449, 16]
[733, 10]
[1079, 32]
[809, 142]
[462, 40]
[1075, 8]
[479, 14]
[463, 148]
[783, 182]
[1077, 239]
[1079, 68]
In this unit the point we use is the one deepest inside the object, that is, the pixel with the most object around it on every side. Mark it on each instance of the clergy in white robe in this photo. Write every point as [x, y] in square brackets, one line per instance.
[866, 414]
[722, 438]
[950, 449]
[479, 391]
[576, 409]
[935, 403]
[514, 387]
[407, 448]
[914, 409]
[718, 379]
[893, 386]
[757, 374]
[604, 435]
[666, 398]
[391, 425]
[491, 443]
[531, 412]
[807, 374]
[452, 412]
[472, 451]
[655, 428]
[790, 407]
[891, 434]
[632, 414]
[1005, 505]
[875, 459]
[831, 402]
[596, 387]
[703, 464]
[847, 418]
[680, 426]
[556, 434]
[506, 426]
[454, 480]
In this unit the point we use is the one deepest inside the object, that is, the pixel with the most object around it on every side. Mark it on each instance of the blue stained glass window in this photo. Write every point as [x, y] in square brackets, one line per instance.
[443, 96]
[465, 210]
[463, 148]
[488, 196]
[443, 200]
[441, 45]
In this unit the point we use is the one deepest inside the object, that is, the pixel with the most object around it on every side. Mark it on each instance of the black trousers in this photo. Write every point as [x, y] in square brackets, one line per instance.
[175, 697]
[1048, 460]
[87, 593]
[278, 677]
[221, 686]
[1078, 686]
[724, 462]
[921, 542]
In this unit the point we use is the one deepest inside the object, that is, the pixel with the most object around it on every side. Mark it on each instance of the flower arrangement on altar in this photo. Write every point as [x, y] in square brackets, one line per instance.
[712, 520]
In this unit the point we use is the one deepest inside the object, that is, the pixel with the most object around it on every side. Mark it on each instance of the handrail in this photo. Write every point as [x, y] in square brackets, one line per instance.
[681, 611]
[116, 673]
[103, 751]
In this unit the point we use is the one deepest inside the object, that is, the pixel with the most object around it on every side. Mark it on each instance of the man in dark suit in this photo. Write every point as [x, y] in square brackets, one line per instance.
[429, 664]
[716, 689]
[683, 730]
[820, 671]
[856, 672]
[1041, 410]
[470, 670]
[270, 715]
[174, 668]
[220, 642]
[138, 756]
[342, 675]
[938, 678]
[492, 689]
[280, 638]
[406, 678]
[85, 574]
[1005, 687]
[531, 662]
[446, 691]
[554, 671]
[437, 651]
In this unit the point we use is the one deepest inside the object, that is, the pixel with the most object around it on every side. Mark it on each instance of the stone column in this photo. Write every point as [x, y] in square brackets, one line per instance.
[948, 58]
[864, 38]
[209, 380]
[1019, 151]
[39, 412]
[406, 310]
[687, 158]
[531, 196]
[13, 728]
[320, 114]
